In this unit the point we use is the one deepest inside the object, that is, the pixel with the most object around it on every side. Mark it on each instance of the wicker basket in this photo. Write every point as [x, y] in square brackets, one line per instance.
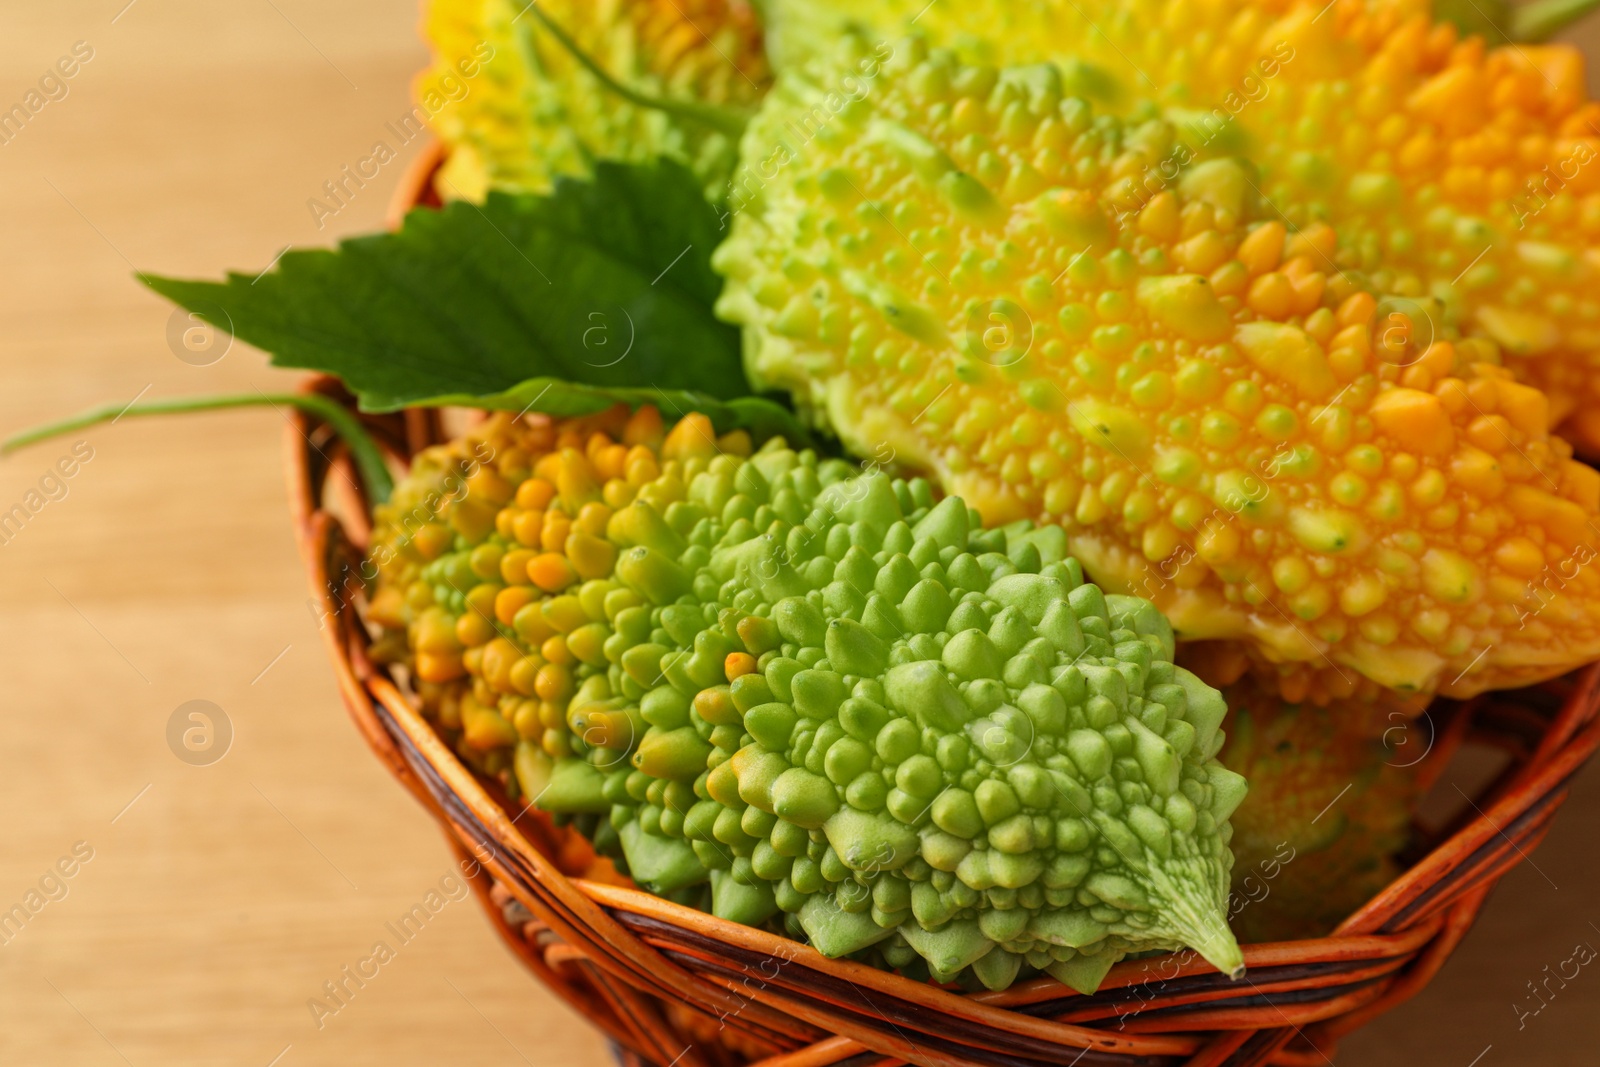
[673, 986]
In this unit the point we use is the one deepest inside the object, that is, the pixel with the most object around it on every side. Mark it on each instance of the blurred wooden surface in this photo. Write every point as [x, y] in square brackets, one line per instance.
[219, 899]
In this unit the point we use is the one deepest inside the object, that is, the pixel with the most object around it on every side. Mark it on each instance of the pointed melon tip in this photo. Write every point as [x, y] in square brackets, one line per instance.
[1224, 954]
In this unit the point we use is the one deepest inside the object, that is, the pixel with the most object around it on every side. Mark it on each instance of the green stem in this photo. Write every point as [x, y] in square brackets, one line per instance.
[363, 449]
[1543, 19]
[724, 120]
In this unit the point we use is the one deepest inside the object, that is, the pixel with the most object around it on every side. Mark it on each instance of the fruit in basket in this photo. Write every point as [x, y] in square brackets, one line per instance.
[1454, 174]
[816, 692]
[1329, 808]
[518, 109]
[954, 266]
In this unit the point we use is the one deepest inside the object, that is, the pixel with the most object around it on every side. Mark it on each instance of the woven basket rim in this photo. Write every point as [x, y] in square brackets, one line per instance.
[1414, 915]
[623, 943]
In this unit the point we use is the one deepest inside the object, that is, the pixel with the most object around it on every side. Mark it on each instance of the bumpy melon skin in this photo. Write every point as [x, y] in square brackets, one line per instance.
[529, 112]
[1332, 794]
[952, 262]
[786, 691]
[1457, 175]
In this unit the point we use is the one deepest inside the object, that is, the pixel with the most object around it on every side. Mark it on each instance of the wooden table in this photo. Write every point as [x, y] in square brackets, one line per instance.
[219, 899]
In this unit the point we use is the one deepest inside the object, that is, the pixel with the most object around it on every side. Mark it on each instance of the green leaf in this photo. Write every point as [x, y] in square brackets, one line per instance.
[606, 284]
[761, 417]
[1503, 21]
